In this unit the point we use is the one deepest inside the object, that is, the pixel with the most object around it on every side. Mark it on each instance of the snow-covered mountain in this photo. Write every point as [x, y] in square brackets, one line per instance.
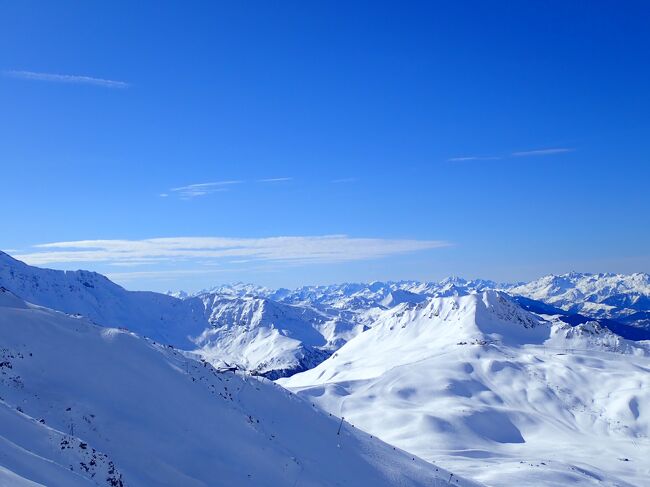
[597, 295]
[279, 332]
[238, 289]
[158, 316]
[358, 296]
[227, 324]
[511, 389]
[267, 337]
[477, 384]
[84, 405]
[620, 302]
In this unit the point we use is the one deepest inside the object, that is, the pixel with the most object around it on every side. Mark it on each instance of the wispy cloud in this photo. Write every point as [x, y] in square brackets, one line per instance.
[274, 180]
[200, 189]
[66, 78]
[536, 152]
[307, 249]
[542, 152]
[473, 158]
[345, 180]
[166, 275]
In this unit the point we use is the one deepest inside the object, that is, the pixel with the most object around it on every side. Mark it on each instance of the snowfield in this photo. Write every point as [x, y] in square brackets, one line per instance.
[479, 385]
[83, 405]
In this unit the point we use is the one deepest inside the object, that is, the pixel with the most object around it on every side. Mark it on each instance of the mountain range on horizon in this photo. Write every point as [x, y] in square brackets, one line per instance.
[235, 323]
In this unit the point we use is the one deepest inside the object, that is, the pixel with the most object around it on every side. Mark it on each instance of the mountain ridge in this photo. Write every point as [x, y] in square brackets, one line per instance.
[479, 385]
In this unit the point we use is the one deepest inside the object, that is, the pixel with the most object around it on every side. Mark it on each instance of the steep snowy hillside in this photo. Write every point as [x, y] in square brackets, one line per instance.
[161, 317]
[270, 338]
[597, 295]
[479, 385]
[83, 405]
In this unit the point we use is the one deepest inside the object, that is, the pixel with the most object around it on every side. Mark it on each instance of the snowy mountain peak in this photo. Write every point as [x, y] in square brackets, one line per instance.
[498, 306]
[480, 317]
[477, 383]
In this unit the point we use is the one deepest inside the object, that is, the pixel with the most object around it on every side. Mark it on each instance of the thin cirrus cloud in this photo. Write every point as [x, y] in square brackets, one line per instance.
[473, 158]
[528, 153]
[542, 152]
[287, 250]
[274, 180]
[66, 78]
[203, 189]
[200, 189]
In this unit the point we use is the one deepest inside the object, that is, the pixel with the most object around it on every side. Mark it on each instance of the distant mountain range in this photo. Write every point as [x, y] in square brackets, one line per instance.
[278, 332]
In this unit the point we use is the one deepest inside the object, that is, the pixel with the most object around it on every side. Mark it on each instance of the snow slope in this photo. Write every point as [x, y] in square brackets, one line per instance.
[228, 324]
[83, 405]
[479, 385]
[161, 317]
[270, 338]
[278, 333]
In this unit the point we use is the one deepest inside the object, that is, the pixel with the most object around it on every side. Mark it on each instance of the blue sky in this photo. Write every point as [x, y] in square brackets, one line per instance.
[174, 146]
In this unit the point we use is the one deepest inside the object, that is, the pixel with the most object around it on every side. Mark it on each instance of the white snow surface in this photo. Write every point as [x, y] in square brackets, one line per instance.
[268, 337]
[606, 295]
[279, 332]
[500, 395]
[84, 405]
[158, 316]
[446, 370]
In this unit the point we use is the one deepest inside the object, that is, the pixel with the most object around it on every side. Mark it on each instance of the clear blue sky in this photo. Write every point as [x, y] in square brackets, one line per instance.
[502, 140]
